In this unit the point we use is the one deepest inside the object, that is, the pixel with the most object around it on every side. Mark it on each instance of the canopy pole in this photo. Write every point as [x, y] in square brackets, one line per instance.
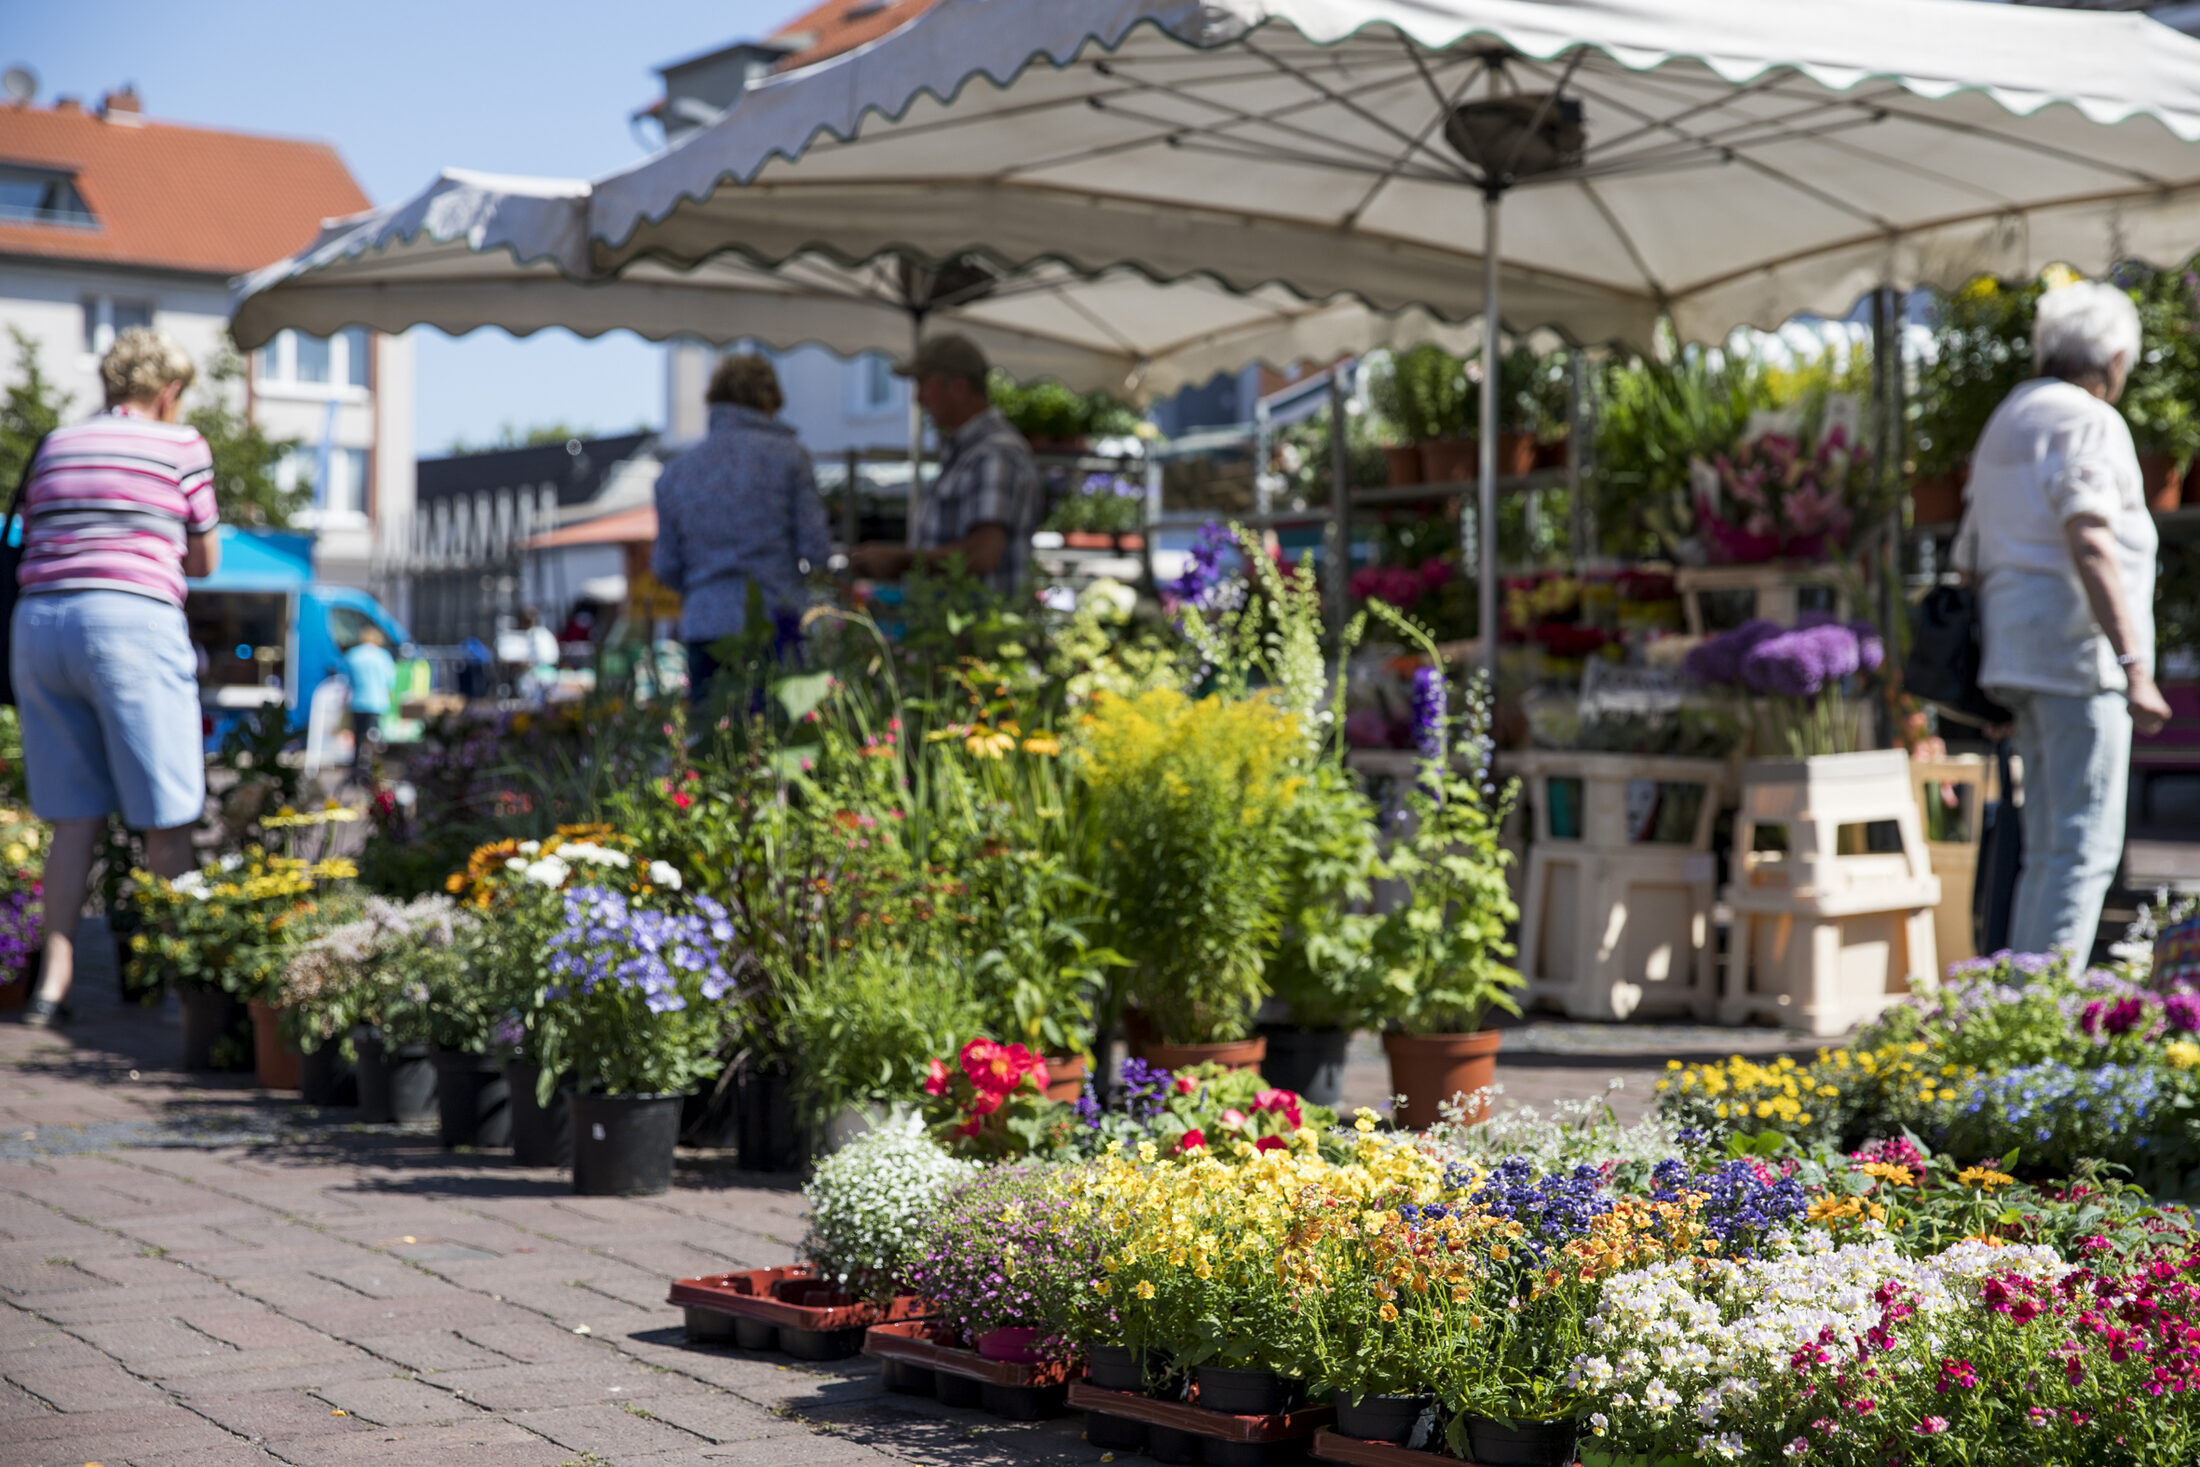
[1486, 508]
[1887, 409]
[1340, 501]
[916, 432]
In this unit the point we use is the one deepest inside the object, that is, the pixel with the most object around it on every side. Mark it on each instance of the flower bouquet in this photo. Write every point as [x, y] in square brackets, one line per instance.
[1791, 679]
[1775, 496]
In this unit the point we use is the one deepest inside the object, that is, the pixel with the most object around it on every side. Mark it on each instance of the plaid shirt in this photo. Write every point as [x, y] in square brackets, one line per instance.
[986, 478]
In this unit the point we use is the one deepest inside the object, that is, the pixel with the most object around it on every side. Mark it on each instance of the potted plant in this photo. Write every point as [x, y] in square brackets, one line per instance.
[868, 1022]
[869, 1202]
[1188, 797]
[988, 1244]
[632, 1013]
[992, 1101]
[1791, 681]
[1440, 952]
[1322, 972]
[221, 935]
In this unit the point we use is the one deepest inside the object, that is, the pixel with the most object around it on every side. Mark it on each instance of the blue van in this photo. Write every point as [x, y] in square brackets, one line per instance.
[267, 632]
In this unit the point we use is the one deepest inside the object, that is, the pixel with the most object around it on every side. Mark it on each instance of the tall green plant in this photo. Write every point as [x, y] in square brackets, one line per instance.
[1652, 419]
[31, 408]
[245, 455]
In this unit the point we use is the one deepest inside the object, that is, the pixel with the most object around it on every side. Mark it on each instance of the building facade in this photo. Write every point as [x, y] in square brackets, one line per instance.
[109, 220]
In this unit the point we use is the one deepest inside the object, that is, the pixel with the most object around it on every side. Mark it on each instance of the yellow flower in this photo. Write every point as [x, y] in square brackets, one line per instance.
[1387, 1313]
[1983, 1177]
[1043, 743]
[2182, 1054]
[988, 743]
[1145, 1289]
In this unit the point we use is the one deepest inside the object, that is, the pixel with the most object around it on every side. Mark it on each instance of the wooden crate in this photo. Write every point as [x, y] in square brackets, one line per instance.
[1955, 862]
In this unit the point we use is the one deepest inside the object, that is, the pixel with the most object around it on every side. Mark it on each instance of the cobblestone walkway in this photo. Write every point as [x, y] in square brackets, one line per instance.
[192, 1273]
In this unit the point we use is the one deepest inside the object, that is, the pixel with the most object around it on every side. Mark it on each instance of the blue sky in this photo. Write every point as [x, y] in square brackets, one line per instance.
[404, 88]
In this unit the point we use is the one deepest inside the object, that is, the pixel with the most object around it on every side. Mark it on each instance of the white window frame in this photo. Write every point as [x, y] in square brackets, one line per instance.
[99, 314]
[275, 369]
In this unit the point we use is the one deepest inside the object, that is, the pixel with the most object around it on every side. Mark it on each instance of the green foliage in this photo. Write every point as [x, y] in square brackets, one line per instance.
[1652, 419]
[1048, 412]
[2158, 398]
[1982, 348]
[1323, 967]
[868, 1021]
[1188, 798]
[32, 407]
[245, 456]
[1427, 393]
[231, 926]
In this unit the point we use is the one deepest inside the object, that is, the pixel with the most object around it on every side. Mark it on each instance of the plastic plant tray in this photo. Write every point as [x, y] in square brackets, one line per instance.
[1332, 1445]
[1196, 1420]
[791, 1297]
[917, 1342]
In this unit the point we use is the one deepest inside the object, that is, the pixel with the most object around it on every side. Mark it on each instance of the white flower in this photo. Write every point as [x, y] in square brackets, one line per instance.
[528, 847]
[1599, 1422]
[1727, 1444]
[191, 884]
[665, 874]
[1660, 1397]
[589, 851]
[514, 863]
[548, 871]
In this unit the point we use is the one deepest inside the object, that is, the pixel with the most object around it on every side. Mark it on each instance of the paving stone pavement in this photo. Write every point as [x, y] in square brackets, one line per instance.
[195, 1273]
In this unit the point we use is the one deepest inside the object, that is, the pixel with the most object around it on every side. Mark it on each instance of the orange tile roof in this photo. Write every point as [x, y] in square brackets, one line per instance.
[173, 197]
[843, 25]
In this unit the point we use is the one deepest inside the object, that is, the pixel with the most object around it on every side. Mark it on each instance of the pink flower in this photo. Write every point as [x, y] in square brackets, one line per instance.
[1192, 1140]
[935, 1078]
[1931, 1426]
[1233, 1119]
[1282, 1103]
[1186, 1084]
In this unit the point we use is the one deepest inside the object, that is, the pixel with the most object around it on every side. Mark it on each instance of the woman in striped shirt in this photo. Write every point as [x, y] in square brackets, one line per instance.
[117, 511]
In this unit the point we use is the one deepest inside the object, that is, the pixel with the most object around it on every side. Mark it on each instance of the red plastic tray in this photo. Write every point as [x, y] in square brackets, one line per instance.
[793, 1297]
[1332, 1446]
[918, 1342]
[1198, 1420]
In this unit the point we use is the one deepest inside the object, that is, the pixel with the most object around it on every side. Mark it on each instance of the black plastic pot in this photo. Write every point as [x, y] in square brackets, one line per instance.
[1309, 1061]
[325, 1077]
[1167, 1444]
[1116, 1433]
[1022, 1403]
[394, 1084]
[709, 1327]
[622, 1146]
[711, 1117]
[1215, 1452]
[957, 1390]
[820, 1344]
[771, 1138]
[1495, 1443]
[755, 1334]
[217, 1030]
[1115, 1368]
[1384, 1418]
[905, 1379]
[1248, 1392]
[542, 1135]
[473, 1104]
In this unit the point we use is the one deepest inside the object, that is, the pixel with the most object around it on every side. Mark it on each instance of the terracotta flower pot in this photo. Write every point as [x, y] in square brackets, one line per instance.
[1405, 465]
[1237, 1054]
[1551, 455]
[1450, 460]
[1938, 499]
[274, 1059]
[1130, 541]
[1429, 1069]
[1088, 540]
[1065, 1076]
[1515, 455]
[2165, 485]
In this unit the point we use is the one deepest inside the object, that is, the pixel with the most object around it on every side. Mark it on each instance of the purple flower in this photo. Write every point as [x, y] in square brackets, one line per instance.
[1718, 662]
[1804, 662]
[2183, 1012]
[1203, 571]
[1428, 714]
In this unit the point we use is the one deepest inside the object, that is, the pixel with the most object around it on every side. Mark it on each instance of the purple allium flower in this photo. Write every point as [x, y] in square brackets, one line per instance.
[1718, 662]
[1802, 663]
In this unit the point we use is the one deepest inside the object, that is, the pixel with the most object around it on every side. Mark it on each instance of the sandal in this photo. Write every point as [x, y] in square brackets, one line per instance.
[48, 1013]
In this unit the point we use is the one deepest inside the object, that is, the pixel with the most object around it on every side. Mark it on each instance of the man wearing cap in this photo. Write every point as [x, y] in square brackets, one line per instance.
[984, 505]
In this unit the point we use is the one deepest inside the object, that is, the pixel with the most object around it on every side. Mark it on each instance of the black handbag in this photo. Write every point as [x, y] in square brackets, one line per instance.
[12, 533]
[1946, 650]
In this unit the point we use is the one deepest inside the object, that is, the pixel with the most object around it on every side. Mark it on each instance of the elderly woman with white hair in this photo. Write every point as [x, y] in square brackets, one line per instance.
[2059, 540]
[117, 510]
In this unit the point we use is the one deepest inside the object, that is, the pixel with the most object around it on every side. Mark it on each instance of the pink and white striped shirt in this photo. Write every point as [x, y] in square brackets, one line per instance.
[109, 503]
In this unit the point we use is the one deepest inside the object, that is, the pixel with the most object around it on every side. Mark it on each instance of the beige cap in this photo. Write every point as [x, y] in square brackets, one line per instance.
[945, 356]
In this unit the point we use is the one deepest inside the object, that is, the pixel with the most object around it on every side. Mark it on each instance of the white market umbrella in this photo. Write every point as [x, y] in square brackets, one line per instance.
[1724, 162]
[476, 250]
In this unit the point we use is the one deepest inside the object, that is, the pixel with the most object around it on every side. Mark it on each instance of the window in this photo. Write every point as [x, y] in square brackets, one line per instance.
[106, 317]
[345, 623]
[871, 384]
[342, 360]
[308, 358]
[356, 355]
[344, 496]
[41, 196]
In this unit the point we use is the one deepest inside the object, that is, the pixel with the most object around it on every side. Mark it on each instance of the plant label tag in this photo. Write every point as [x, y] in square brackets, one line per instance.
[595, 1130]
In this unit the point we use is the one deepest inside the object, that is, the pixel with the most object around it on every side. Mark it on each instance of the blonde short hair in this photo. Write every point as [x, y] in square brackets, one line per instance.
[746, 380]
[141, 362]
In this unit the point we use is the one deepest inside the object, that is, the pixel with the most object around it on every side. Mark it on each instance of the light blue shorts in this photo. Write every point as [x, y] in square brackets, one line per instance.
[106, 683]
